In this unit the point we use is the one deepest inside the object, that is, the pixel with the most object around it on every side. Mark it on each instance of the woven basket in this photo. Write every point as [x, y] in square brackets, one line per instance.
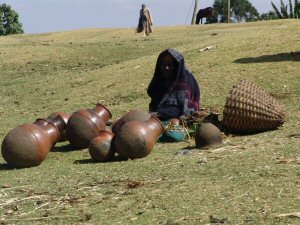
[250, 109]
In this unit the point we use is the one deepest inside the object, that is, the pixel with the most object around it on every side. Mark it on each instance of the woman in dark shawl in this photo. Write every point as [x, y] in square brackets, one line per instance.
[173, 89]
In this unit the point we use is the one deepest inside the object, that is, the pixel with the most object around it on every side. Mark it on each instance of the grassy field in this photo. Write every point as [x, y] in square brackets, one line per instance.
[248, 180]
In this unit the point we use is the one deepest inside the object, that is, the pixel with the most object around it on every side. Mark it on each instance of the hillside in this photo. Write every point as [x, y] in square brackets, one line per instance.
[249, 180]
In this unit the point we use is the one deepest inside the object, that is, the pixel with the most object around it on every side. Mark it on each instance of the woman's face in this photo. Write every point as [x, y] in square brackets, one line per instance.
[168, 66]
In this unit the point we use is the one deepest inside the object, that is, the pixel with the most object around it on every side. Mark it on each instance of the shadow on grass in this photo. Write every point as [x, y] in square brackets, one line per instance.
[280, 57]
[193, 147]
[89, 161]
[294, 136]
[5, 166]
[84, 161]
[65, 148]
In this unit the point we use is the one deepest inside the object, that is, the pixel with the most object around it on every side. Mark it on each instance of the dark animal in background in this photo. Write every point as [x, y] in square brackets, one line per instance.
[205, 13]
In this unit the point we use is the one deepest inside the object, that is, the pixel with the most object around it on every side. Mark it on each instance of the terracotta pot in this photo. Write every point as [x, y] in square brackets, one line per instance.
[85, 124]
[136, 139]
[101, 147]
[64, 116]
[28, 144]
[207, 134]
[133, 115]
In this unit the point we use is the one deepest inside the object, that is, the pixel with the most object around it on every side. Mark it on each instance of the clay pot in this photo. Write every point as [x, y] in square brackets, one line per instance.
[133, 115]
[85, 124]
[136, 139]
[207, 134]
[28, 144]
[64, 116]
[101, 147]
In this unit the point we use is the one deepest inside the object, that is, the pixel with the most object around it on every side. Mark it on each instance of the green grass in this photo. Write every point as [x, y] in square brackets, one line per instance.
[249, 180]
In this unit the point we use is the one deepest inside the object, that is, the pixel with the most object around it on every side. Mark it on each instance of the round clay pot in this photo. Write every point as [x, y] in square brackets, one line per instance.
[101, 147]
[133, 115]
[136, 139]
[28, 144]
[85, 124]
[207, 134]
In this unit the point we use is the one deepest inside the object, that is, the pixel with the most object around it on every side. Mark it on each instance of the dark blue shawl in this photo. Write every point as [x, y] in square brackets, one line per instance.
[180, 97]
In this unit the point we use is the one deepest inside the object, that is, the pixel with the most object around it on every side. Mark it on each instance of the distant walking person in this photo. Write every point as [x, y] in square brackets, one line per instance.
[145, 21]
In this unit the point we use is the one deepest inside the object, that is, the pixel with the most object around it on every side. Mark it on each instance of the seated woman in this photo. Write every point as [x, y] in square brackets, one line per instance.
[173, 89]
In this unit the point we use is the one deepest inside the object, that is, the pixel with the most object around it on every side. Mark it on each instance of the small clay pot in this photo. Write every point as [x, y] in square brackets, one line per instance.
[28, 144]
[207, 135]
[136, 139]
[101, 147]
[85, 124]
[133, 115]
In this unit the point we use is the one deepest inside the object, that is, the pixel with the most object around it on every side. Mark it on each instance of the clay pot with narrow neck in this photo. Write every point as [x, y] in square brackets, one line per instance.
[101, 148]
[136, 139]
[85, 124]
[138, 115]
[64, 116]
[28, 144]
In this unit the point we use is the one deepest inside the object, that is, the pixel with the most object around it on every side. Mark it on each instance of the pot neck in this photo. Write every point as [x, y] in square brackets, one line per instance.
[102, 112]
[154, 120]
[52, 126]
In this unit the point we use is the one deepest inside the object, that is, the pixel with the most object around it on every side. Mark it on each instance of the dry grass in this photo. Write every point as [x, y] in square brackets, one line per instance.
[248, 180]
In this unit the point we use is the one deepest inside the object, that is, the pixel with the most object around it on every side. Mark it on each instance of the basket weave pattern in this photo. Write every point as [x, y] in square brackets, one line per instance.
[250, 109]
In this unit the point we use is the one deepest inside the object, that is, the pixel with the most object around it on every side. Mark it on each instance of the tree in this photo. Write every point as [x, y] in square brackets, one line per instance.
[240, 9]
[271, 15]
[243, 9]
[291, 9]
[228, 11]
[284, 13]
[297, 9]
[9, 21]
[220, 7]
